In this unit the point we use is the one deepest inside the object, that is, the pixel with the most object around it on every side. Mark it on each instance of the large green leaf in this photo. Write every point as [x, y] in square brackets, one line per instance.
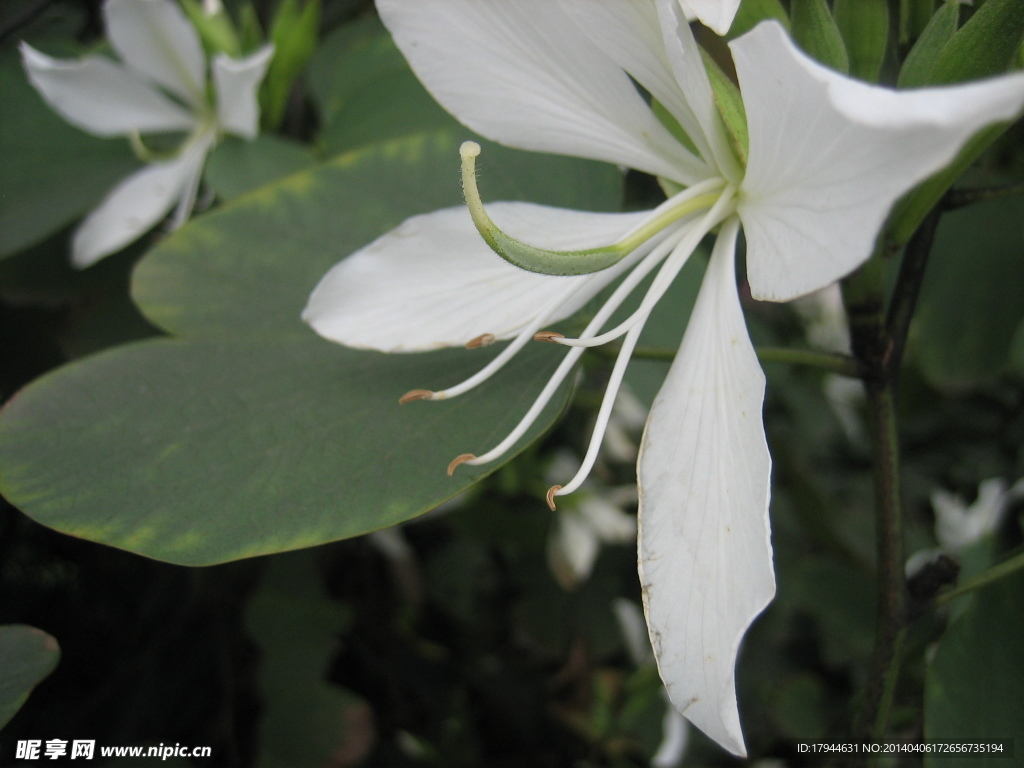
[27, 655]
[970, 301]
[250, 434]
[50, 172]
[974, 691]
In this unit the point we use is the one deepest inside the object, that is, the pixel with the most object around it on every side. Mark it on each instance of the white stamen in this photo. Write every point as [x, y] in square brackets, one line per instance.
[618, 296]
[525, 335]
[601, 425]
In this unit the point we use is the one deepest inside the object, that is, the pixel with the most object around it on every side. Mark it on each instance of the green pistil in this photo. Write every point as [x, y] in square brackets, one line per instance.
[549, 262]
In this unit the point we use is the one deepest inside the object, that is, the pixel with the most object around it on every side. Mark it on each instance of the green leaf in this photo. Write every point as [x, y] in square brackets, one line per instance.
[730, 106]
[815, 31]
[293, 33]
[917, 67]
[348, 59]
[864, 25]
[237, 166]
[915, 15]
[216, 30]
[27, 656]
[209, 451]
[974, 684]
[253, 435]
[970, 300]
[50, 172]
[985, 46]
[753, 12]
[391, 106]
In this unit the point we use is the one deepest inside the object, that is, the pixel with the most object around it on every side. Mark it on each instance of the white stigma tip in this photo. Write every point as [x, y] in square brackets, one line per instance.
[469, 149]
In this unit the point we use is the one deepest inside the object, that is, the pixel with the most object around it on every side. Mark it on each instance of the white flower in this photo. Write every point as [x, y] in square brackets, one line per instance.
[958, 525]
[160, 86]
[827, 158]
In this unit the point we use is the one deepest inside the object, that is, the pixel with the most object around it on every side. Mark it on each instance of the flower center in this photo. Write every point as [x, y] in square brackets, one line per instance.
[665, 240]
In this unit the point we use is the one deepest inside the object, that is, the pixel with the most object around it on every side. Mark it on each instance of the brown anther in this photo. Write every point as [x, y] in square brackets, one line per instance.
[415, 394]
[548, 336]
[462, 458]
[551, 496]
[483, 340]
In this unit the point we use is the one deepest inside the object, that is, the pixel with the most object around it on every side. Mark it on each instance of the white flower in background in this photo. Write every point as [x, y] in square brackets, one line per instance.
[595, 517]
[827, 156]
[675, 731]
[159, 86]
[958, 525]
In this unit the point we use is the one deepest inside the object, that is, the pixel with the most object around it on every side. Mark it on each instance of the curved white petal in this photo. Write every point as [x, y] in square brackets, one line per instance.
[524, 74]
[705, 549]
[704, 125]
[830, 155]
[715, 14]
[433, 282]
[237, 82]
[153, 37]
[101, 97]
[630, 32]
[135, 205]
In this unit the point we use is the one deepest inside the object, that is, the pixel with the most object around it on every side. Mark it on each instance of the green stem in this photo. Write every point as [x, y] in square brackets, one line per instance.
[995, 573]
[835, 362]
[961, 198]
[873, 348]
[904, 300]
[891, 615]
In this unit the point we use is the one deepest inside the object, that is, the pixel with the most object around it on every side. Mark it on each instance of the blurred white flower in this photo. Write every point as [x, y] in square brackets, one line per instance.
[161, 85]
[958, 525]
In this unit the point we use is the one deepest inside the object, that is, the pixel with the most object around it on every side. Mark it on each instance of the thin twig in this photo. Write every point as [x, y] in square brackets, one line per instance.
[961, 198]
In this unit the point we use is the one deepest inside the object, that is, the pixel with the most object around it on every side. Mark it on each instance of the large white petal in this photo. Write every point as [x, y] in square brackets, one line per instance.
[830, 155]
[630, 32]
[101, 97]
[716, 14]
[136, 204]
[705, 549]
[433, 282]
[524, 74]
[237, 82]
[153, 37]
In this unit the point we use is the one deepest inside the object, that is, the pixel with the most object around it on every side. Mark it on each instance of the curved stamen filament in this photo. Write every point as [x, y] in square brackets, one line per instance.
[579, 262]
[721, 210]
[603, 415]
[499, 362]
[614, 301]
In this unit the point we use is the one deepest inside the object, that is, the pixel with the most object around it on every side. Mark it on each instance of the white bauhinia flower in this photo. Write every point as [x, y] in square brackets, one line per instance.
[827, 158]
[159, 86]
